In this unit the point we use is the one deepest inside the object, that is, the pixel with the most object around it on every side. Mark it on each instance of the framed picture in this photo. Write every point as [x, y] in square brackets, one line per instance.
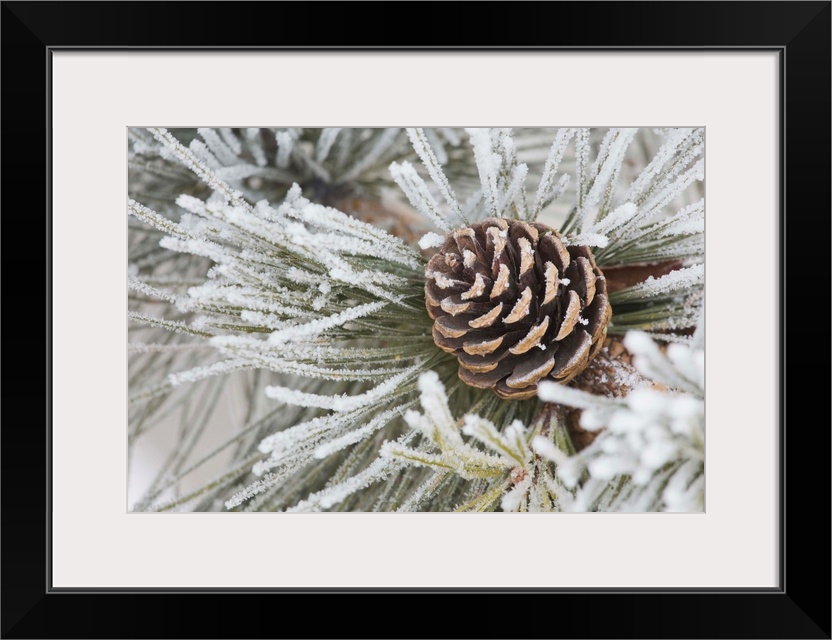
[81, 79]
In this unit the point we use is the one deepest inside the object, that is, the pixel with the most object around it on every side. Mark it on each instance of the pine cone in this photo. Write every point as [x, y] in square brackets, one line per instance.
[514, 305]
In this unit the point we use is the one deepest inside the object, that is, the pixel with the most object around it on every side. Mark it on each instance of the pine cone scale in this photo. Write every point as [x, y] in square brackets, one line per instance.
[483, 347]
[533, 337]
[577, 344]
[569, 316]
[488, 379]
[487, 319]
[599, 313]
[531, 370]
[514, 304]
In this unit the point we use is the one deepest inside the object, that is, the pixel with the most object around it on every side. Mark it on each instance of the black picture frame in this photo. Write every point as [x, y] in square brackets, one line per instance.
[798, 31]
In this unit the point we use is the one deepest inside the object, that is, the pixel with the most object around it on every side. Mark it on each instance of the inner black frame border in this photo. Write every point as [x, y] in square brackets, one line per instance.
[31, 31]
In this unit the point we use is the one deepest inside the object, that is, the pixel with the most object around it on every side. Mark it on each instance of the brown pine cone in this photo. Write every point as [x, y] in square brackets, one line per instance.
[514, 305]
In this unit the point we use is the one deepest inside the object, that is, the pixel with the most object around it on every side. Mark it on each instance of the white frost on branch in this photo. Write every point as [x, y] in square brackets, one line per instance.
[151, 292]
[218, 146]
[187, 157]
[378, 471]
[650, 454]
[371, 157]
[325, 142]
[343, 402]
[285, 144]
[488, 164]
[431, 240]
[547, 190]
[202, 372]
[426, 155]
[502, 177]
[314, 328]
[590, 240]
[357, 435]
[680, 147]
[504, 461]
[673, 283]
[604, 173]
[255, 146]
[440, 428]
[420, 197]
[176, 326]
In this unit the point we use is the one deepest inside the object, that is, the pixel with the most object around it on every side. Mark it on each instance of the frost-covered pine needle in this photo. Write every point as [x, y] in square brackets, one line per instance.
[473, 448]
[651, 434]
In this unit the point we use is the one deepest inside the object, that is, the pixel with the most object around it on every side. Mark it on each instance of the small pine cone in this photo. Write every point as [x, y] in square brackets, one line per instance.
[514, 305]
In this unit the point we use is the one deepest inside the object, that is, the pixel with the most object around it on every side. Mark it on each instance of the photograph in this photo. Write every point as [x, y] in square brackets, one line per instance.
[416, 319]
[376, 282]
